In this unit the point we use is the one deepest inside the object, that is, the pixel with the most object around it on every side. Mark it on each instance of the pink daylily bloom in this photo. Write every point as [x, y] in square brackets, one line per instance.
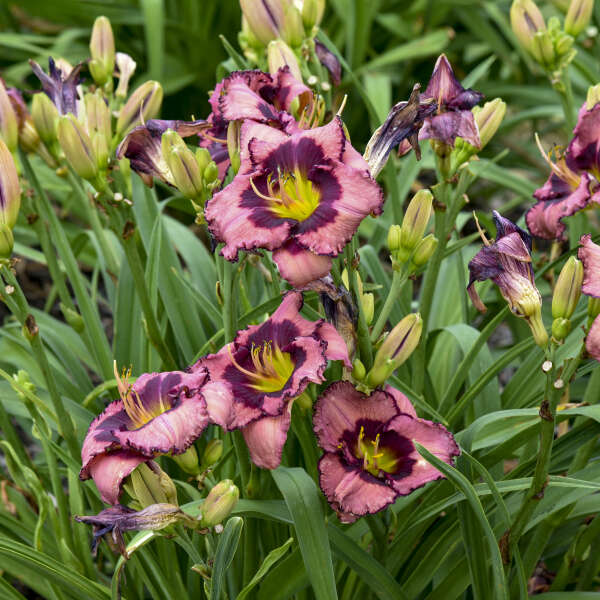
[589, 255]
[300, 194]
[161, 413]
[584, 150]
[255, 379]
[370, 458]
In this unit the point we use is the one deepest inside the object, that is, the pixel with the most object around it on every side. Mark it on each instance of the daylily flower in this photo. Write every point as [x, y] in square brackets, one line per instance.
[507, 262]
[117, 519]
[255, 378]
[161, 413]
[370, 458]
[142, 146]
[60, 87]
[589, 254]
[454, 103]
[564, 193]
[584, 150]
[302, 196]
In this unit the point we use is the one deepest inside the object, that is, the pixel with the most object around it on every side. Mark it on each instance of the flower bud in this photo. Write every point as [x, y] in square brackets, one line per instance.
[424, 250]
[219, 503]
[525, 20]
[578, 16]
[367, 302]
[393, 238]
[211, 173]
[416, 219]
[312, 13]
[563, 44]
[593, 96]
[488, 118]
[542, 49]
[10, 190]
[151, 485]
[182, 164]
[7, 241]
[203, 158]
[395, 349]
[188, 461]
[212, 453]
[126, 66]
[102, 51]
[279, 55]
[560, 329]
[358, 370]
[233, 145]
[593, 309]
[272, 19]
[77, 146]
[45, 118]
[567, 290]
[143, 105]
[73, 318]
[9, 125]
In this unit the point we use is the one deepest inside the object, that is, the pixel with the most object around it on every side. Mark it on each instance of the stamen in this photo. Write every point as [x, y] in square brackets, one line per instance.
[559, 168]
[481, 232]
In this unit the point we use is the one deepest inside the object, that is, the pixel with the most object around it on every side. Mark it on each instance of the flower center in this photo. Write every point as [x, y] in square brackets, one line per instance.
[375, 457]
[270, 370]
[138, 413]
[290, 195]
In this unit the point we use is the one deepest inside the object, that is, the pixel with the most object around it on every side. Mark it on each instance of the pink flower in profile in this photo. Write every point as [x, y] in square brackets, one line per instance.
[589, 255]
[161, 413]
[255, 379]
[584, 150]
[301, 196]
[370, 457]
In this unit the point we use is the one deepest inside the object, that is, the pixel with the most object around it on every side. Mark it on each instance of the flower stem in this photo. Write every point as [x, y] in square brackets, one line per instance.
[565, 90]
[398, 280]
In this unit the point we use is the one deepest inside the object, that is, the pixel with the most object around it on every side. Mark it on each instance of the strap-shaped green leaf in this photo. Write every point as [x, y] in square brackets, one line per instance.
[228, 543]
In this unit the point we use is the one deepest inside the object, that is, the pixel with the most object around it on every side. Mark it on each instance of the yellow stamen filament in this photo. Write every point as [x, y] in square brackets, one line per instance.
[313, 114]
[271, 368]
[212, 138]
[559, 168]
[486, 242]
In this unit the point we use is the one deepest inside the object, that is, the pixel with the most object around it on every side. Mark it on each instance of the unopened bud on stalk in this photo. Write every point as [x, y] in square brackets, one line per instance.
[279, 55]
[99, 127]
[272, 19]
[312, 13]
[203, 157]
[526, 20]
[182, 164]
[10, 191]
[73, 318]
[542, 49]
[395, 349]
[126, 66]
[368, 305]
[45, 118]
[593, 96]
[394, 237]
[219, 503]
[568, 289]
[151, 485]
[424, 250]
[211, 173]
[416, 219]
[593, 309]
[188, 461]
[488, 118]
[233, 145]
[142, 105]
[9, 125]
[578, 16]
[560, 329]
[102, 51]
[212, 453]
[77, 146]
[358, 370]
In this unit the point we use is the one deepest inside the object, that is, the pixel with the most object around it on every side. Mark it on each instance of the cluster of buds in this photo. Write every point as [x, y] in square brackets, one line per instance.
[10, 200]
[566, 297]
[366, 299]
[406, 243]
[549, 44]
[149, 484]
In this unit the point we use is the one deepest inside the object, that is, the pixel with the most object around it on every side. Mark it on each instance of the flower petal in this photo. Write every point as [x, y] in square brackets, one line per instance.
[289, 88]
[299, 266]
[336, 346]
[109, 470]
[589, 255]
[446, 127]
[583, 153]
[239, 97]
[402, 402]
[341, 406]
[592, 341]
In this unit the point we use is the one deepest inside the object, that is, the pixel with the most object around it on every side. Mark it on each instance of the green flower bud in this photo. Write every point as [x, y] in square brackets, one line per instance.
[233, 144]
[10, 190]
[102, 51]
[593, 308]
[567, 290]
[151, 485]
[182, 164]
[395, 349]
[45, 118]
[203, 158]
[212, 453]
[368, 305]
[578, 16]
[542, 49]
[358, 370]
[77, 146]
[560, 329]
[272, 19]
[424, 250]
[563, 44]
[488, 118]
[211, 173]
[219, 503]
[188, 461]
[525, 20]
[9, 125]
[7, 241]
[593, 96]
[279, 55]
[416, 219]
[312, 13]
[393, 238]
[73, 318]
[142, 105]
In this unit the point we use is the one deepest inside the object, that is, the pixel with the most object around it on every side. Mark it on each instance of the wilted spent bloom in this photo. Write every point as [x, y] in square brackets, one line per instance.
[10, 199]
[272, 19]
[589, 254]
[395, 350]
[9, 125]
[219, 503]
[280, 55]
[370, 456]
[61, 88]
[507, 262]
[526, 20]
[567, 290]
[118, 519]
[330, 61]
[102, 51]
[77, 146]
[126, 67]
[143, 105]
[578, 16]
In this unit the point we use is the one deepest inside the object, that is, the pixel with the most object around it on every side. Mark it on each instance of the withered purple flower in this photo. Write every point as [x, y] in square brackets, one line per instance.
[59, 87]
[161, 413]
[330, 61]
[370, 458]
[507, 262]
[301, 196]
[255, 379]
